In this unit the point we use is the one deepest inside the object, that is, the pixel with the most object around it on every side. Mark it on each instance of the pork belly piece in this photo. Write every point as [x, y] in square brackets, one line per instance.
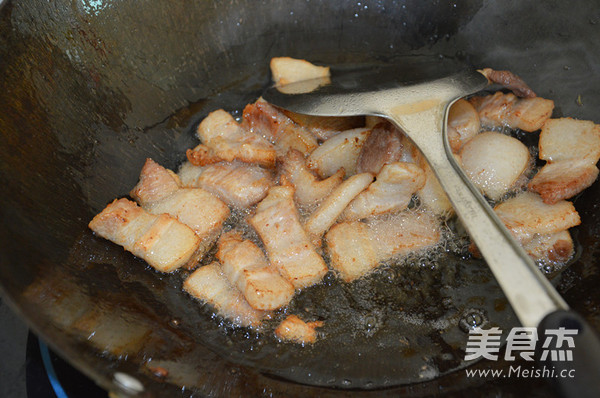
[463, 124]
[287, 244]
[247, 268]
[309, 188]
[356, 248]
[211, 286]
[156, 183]
[285, 70]
[333, 206]
[195, 207]
[224, 139]
[296, 330]
[526, 214]
[563, 179]
[567, 138]
[263, 118]
[161, 240]
[494, 162]
[509, 80]
[499, 109]
[340, 151]
[556, 248]
[238, 184]
[433, 196]
[383, 146]
[391, 191]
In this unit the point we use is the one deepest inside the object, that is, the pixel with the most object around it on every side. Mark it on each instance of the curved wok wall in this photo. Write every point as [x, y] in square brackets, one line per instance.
[89, 89]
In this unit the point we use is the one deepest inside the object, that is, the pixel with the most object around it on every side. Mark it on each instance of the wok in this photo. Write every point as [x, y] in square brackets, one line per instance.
[89, 89]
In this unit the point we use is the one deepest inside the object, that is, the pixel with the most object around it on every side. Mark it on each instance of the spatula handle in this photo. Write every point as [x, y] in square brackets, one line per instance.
[575, 367]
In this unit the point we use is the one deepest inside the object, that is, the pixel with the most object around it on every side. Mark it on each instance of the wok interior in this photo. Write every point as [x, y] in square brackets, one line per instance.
[90, 89]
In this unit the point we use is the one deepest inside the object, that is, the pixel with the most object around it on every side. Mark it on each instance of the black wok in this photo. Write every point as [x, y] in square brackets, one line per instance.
[89, 89]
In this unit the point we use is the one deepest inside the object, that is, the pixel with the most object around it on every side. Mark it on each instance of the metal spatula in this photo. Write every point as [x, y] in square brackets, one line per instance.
[417, 100]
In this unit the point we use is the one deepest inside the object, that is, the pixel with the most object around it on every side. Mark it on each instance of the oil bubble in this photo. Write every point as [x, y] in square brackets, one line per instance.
[472, 318]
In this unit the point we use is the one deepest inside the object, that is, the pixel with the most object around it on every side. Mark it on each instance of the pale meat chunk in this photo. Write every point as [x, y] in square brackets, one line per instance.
[160, 240]
[333, 206]
[383, 146]
[224, 139]
[526, 214]
[340, 151]
[463, 124]
[567, 138]
[211, 286]
[391, 191]
[263, 118]
[356, 248]
[433, 196]
[287, 70]
[247, 268]
[195, 207]
[238, 184]
[494, 162]
[499, 109]
[296, 330]
[556, 248]
[563, 179]
[309, 188]
[287, 244]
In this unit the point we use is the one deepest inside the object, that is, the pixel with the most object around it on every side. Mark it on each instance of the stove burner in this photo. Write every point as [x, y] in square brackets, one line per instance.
[47, 375]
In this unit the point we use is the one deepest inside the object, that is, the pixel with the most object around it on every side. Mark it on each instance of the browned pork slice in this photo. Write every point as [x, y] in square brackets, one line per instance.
[510, 81]
[247, 268]
[332, 207]
[195, 207]
[340, 151]
[383, 146]
[296, 330]
[310, 189]
[463, 124]
[287, 244]
[391, 191]
[572, 149]
[285, 70]
[494, 162]
[263, 118]
[211, 286]
[563, 179]
[555, 248]
[566, 138]
[356, 248]
[526, 214]
[238, 184]
[224, 139]
[499, 109]
[161, 240]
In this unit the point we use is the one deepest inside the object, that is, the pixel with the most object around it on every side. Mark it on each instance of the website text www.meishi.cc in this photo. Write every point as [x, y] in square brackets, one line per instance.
[523, 372]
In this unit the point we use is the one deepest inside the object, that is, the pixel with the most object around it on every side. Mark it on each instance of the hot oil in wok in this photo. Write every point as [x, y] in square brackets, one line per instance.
[406, 322]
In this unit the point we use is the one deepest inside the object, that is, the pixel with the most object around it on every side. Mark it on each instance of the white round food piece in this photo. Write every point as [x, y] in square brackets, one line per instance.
[494, 162]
